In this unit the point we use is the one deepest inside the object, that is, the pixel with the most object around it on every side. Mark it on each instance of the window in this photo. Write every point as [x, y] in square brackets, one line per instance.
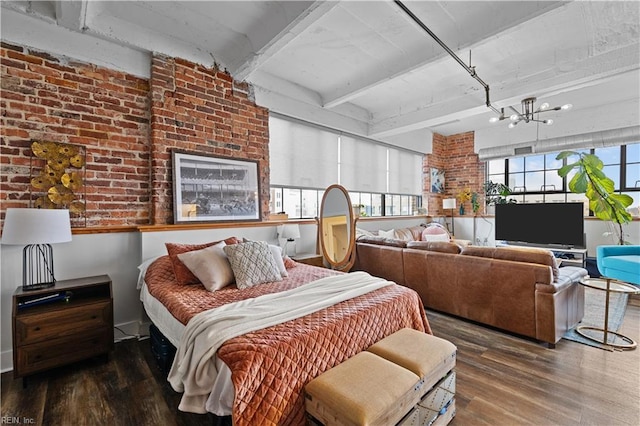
[305, 203]
[306, 158]
[535, 179]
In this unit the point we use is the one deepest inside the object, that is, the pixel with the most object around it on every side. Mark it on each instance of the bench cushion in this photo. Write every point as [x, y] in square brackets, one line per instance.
[363, 389]
[421, 353]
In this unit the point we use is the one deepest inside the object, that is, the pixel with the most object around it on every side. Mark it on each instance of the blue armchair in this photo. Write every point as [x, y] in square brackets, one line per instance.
[619, 262]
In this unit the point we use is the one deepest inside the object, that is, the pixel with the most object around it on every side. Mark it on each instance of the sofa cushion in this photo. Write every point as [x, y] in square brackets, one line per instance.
[439, 246]
[517, 254]
[382, 241]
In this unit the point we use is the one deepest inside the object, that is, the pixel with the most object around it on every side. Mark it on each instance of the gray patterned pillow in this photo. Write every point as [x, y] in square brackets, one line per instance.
[252, 263]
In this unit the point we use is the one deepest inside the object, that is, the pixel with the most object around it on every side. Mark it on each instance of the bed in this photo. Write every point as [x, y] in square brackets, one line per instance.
[260, 375]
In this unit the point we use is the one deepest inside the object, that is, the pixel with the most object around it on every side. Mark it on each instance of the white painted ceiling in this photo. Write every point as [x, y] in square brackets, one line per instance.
[366, 68]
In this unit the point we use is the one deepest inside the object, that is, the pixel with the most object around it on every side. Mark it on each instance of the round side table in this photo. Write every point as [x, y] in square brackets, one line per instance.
[608, 285]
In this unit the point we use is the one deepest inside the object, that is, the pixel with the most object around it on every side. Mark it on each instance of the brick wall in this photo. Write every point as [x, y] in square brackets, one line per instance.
[47, 98]
[462, 169]
[128, 126]
[202, 110]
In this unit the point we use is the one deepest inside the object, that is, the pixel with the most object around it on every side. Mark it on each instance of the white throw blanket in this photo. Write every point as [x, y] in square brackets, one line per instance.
[194, 372]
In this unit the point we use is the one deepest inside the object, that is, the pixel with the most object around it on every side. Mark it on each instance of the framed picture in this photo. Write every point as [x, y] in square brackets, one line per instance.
[214, 189]
[437, 180]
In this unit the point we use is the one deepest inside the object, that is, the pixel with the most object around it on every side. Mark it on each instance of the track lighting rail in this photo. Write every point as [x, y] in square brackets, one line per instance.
[471, 70]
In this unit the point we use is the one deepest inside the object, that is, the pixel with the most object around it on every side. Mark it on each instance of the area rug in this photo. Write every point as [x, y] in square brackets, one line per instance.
[594, 301]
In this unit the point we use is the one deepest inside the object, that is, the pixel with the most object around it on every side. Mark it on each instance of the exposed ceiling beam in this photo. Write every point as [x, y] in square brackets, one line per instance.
[252, 63]
[589, 72]
[415, 62]
[72, 14]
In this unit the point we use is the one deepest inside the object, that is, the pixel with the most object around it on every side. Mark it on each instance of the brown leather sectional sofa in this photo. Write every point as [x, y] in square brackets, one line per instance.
[518, 290]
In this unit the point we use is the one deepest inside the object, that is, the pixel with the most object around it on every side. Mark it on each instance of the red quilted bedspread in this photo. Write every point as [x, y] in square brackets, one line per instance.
[271, 366]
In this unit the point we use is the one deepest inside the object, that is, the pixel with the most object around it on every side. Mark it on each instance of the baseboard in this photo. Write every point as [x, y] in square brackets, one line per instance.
[6, 361]
[124, 331]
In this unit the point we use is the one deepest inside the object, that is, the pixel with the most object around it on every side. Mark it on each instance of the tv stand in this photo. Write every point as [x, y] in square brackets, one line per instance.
[569, 256]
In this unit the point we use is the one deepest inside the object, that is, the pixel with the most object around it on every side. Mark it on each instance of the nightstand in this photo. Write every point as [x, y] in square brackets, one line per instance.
[59, 325]
[309, 259]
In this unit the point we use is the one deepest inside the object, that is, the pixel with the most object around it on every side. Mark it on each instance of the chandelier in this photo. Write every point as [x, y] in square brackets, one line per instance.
[528, 113]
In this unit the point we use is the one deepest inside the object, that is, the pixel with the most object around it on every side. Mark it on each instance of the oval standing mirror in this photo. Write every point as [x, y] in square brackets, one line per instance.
[336, 228]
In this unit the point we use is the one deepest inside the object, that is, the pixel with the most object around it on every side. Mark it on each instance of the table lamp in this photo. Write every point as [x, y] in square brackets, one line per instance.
[289, 233]
[450, 203]
[37, 229]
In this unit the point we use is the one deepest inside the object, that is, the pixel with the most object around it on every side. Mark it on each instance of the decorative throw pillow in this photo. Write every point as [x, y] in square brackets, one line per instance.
[277, 256]
[252, 263]
[360, 231]
[183, 275]
[210, 266]
[435, 237]
[387, 234]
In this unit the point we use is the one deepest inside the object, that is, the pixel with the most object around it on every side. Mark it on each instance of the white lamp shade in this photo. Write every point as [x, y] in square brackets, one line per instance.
[449, 203]
[290, 231]
[36, 226]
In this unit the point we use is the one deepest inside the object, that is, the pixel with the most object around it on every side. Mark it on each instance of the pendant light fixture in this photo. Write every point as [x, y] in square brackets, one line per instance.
[528, 113]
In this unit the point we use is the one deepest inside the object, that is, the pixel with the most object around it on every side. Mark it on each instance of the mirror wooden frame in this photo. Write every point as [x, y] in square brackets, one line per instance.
[348, 260]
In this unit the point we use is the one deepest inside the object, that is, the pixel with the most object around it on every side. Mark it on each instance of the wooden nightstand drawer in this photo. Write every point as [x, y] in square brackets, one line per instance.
[47, 354]
[54, 324]
[59, 325]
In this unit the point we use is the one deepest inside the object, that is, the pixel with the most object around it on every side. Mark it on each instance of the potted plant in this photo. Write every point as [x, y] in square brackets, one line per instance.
[358, 210]
[475, 202]
[598, 188]
[463, 197]
[496, 193]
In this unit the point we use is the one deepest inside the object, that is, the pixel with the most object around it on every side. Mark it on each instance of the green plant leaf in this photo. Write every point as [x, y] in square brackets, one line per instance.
[579, 183]
[564, 170]
[592, 161]
[565, 154]
[603, 183]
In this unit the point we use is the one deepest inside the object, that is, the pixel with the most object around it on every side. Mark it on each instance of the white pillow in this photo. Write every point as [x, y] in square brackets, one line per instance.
[387, 234]
[252, 263]
[360, 231]
[210, 266]
[435, 237]
[277, 256]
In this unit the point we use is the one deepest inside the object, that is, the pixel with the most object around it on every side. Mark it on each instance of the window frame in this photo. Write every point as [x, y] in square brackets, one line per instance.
[503, 175]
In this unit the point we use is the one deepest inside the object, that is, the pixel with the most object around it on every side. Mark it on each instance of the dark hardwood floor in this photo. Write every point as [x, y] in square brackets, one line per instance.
[501, 380]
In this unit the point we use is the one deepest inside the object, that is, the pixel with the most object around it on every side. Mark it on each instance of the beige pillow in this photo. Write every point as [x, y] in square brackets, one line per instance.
[252, 263]
[210, 266]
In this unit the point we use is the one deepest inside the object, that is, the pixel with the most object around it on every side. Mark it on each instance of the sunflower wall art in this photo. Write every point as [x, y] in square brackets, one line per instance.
[57, 177]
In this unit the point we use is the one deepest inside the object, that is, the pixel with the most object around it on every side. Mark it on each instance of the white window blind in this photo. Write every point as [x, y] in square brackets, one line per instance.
[301, 155]
[405, 172]
[363, 165]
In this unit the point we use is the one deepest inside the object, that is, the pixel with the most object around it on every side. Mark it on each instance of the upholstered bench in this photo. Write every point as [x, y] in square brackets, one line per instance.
[385, 384]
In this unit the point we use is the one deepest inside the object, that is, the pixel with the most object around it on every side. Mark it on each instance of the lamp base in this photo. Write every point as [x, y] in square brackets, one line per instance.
[37, 267]
[39, 286]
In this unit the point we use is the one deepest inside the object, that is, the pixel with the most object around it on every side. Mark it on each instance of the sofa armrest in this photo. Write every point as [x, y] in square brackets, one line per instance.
[567, 276]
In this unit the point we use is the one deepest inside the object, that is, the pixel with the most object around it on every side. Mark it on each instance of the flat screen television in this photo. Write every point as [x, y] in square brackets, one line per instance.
[546, 224]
